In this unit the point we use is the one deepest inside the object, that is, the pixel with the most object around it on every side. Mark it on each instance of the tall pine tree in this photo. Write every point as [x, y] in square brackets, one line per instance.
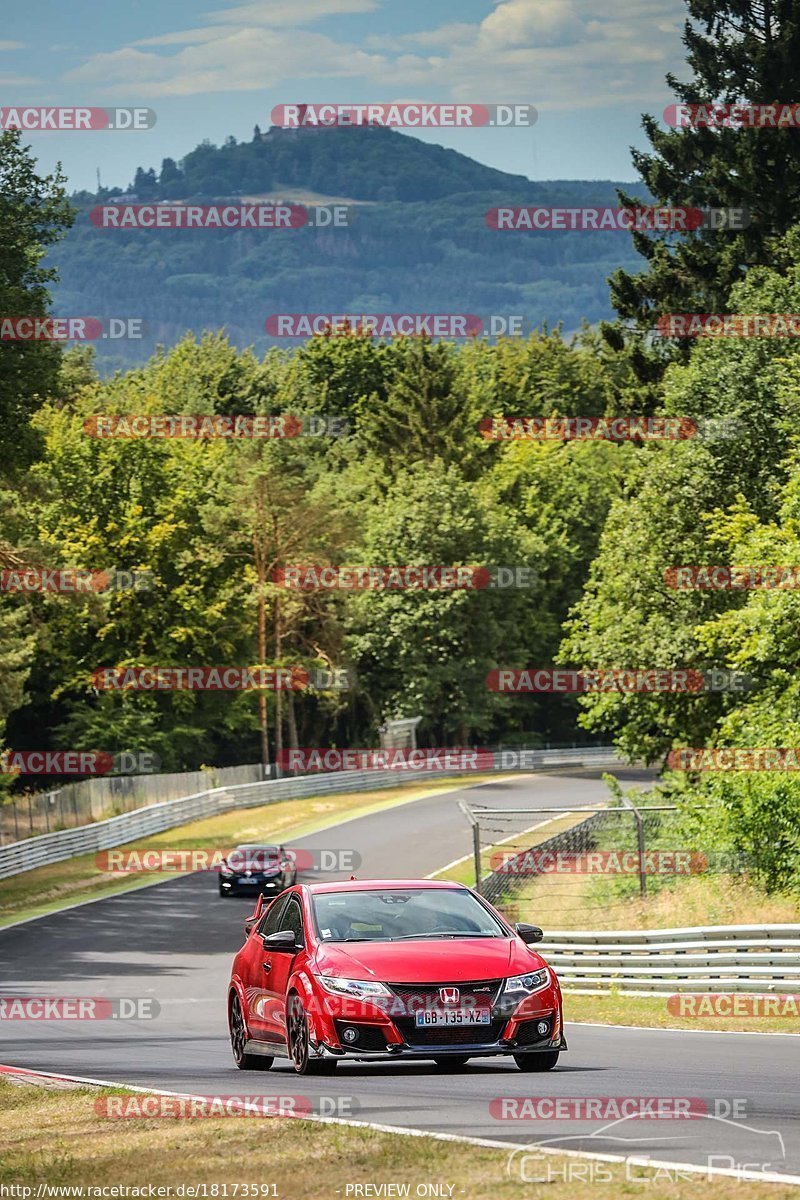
[34, 214]
[739, 51]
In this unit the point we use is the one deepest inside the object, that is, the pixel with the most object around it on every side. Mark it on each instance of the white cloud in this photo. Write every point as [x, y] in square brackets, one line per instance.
[187, 37]
[12, 45]
[556, 54]
[519, 23]
[446, 35]
[289, 12]
[240, 61]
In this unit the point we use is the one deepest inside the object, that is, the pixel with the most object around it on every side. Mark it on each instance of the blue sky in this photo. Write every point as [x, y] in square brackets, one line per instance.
[213, 70]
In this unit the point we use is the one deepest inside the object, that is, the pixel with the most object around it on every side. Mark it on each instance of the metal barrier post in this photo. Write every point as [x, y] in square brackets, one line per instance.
[639, 819]
[476, 843]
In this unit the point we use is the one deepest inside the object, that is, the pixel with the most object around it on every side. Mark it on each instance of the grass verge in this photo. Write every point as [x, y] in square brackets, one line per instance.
[55, 1138]
[47, 889]
[463, 870]
[585, 902]
[651, 1012]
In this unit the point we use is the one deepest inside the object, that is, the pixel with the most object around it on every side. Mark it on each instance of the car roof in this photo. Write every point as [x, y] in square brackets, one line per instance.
[374, 885]
[257, 846]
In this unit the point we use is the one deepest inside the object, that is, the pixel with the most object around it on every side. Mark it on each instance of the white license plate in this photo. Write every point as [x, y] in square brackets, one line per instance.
[454, 1016]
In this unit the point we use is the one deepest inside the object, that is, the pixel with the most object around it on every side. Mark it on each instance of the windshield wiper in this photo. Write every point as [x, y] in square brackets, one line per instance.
[407, 937]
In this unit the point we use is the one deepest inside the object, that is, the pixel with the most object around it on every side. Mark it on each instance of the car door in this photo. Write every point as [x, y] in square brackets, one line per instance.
[255, 973]
[278, 966]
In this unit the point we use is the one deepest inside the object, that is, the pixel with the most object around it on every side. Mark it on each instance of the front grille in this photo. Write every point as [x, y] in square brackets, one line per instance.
[449, 1035]
[481, 994]
[370, 1037]
[473, 994]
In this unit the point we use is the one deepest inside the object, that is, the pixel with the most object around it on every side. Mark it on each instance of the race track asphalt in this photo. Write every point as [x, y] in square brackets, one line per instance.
[174, 942]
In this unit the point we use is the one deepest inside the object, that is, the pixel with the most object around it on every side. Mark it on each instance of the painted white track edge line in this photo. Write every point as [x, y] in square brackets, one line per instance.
[405, 1131]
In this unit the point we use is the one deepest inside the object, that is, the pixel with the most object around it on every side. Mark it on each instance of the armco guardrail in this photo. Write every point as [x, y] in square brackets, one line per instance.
[117, 831]
[717, 958]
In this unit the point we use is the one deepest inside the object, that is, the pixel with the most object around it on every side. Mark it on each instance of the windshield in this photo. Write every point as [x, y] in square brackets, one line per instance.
[390, 916]
[254, 858]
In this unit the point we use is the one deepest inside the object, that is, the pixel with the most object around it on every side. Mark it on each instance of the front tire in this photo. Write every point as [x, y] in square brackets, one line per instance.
[238, 1029]
[300, 1045]
[537, 1062]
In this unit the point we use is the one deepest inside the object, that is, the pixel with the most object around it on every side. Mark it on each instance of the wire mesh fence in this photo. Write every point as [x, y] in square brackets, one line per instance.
[580, 868]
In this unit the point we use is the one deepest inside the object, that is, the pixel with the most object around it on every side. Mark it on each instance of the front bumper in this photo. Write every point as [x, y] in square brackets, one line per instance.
[405, 1051]
[342, 1027]
[240, 885]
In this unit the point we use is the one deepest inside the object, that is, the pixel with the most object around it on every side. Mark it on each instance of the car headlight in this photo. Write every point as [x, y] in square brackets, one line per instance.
[364, 989]
[226, 871]
[526, 985]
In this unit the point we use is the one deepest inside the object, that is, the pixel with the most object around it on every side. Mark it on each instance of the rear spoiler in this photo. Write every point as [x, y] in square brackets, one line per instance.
[252, 919]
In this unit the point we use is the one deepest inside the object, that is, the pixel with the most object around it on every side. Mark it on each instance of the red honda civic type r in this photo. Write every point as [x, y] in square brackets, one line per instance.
[384, 969]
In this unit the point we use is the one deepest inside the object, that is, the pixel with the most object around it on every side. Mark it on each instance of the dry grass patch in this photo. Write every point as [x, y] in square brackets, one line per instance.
[57, 1138]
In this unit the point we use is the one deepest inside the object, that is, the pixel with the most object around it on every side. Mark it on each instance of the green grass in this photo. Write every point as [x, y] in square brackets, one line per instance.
[463, 871]
[651, 1012]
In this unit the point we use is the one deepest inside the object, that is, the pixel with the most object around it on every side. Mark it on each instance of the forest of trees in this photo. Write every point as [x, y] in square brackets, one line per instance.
[414, 482]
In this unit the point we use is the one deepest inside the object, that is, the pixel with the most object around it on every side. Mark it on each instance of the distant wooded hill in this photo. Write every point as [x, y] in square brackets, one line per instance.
[419, 242]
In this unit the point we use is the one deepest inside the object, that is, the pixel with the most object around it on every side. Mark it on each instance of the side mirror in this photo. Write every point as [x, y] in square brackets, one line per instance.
[529, 933]
[283, 940]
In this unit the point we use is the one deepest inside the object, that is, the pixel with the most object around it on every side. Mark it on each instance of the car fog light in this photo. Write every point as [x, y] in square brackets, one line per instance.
[350, 1035]
[543, 1028]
